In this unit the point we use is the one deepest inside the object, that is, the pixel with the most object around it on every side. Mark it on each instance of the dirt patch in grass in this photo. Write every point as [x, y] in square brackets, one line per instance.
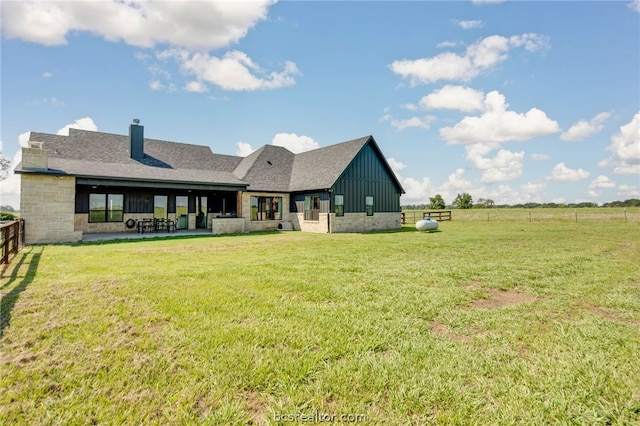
[609, 316]
[502, 298]
[441, 329]
[257, 408]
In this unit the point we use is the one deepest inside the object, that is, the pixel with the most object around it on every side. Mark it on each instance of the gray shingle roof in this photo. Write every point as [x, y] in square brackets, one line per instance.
[103, 155]
[321, 168]
[270, 168]
[267, 169]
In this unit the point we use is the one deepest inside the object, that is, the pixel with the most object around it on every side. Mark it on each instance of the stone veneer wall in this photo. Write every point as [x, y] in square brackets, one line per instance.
[262, 225]
[227, 225]
[350, 222]
[47, 205]
[360, 222]
[299, 224]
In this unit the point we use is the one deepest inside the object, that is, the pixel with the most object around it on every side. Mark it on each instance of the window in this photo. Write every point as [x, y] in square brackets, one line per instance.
[106, 208]
[311, 207]
[182, 205]
[339, 209]
[369, 205]
[266, 208]
[159, 206]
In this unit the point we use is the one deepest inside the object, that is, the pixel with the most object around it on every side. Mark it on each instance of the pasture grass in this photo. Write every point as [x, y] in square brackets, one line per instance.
[478, 323]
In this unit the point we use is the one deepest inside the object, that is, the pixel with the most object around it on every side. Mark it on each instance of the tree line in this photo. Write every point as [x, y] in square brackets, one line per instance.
[465, 201]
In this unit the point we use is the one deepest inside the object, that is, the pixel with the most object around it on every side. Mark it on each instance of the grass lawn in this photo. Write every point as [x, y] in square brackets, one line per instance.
[482, 322]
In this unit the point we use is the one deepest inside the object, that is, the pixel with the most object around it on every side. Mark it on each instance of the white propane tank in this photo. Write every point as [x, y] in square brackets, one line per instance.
[427, 224]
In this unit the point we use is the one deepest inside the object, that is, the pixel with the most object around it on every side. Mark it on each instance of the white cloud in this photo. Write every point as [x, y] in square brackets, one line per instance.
[583, 129]
[188, 28]
[468, 25]
[635, 5]
[201, 25]
[244, 149]
[454, 97]
[416, 191]
[23, 139]
[533, 191]
[236, 71]
[625, 146]
[46, 101]
[421, 122]
[85, 123]
[295, 143]
[530, 41]
[196, 86]
[396, 165]
[47, 74]
[448, 43]
[10, 187]
[457, 182]
[158, 71]
[562, 173]
[479, 57]
[628, 191]
[155, 85]
[481, 2]
[540, 157]
[497, 124]
[505, 166]
[602, 181]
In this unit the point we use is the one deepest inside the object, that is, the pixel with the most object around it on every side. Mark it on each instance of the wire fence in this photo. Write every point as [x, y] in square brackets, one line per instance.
[587, 214]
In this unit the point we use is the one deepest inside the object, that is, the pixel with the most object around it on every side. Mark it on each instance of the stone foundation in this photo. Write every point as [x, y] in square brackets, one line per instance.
[350, 222]
[360, 222]
[227, 225]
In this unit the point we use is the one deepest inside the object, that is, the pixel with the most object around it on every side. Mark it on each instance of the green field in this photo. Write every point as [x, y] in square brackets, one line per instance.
[482, 322]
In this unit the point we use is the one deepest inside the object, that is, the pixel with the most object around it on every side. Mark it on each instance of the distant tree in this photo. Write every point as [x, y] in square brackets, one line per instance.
[437, 202]
[484, 203]
[414, 207]
[587, 204]
[463, 201]
[7, 208]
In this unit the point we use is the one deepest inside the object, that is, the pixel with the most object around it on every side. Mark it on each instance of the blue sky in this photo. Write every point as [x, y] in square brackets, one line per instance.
[513, 101]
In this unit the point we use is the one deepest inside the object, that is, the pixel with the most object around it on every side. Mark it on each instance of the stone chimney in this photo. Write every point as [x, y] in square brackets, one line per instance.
[35, 157]
[136, 140]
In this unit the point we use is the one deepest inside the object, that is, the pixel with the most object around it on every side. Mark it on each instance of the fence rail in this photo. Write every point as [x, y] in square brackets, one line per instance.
[11, 239]
[439, 215]
[414, 216]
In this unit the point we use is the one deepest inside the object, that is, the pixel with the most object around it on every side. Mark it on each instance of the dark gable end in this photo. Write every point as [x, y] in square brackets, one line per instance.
[385, 164]
[321, 168]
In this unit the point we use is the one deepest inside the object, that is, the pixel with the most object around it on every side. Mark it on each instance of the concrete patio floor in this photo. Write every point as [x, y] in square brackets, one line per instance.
[135, 235]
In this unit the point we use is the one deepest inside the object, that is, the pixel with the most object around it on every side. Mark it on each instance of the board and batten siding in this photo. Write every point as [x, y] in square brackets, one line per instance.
[367, 175]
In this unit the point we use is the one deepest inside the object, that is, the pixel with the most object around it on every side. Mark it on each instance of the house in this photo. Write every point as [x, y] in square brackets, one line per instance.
[93, 182]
